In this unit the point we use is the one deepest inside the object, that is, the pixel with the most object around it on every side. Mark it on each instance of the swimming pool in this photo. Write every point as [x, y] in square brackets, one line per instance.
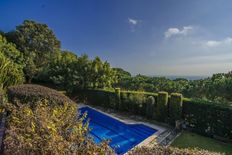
[123, 136]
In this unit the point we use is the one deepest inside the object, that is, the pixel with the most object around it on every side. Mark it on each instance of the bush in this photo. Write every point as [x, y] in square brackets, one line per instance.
[118, 98]
[175, 107]
[30, 93]
[161, 150]
[49, 130]
[130, 101]
[150, 107]
[162, 103]
[135, 102]
[209, 119]
[204, 118]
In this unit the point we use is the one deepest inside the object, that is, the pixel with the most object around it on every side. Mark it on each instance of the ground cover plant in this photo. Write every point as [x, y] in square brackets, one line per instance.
[162, 150]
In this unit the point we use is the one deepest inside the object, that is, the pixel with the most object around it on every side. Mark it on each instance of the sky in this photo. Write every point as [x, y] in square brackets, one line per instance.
[151, 37]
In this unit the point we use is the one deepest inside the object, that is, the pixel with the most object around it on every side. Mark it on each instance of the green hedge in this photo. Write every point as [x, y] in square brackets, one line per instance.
[208, 119]
[162, 107]
[175, 107]
[204, 118]
[128, 101]
[151, 107]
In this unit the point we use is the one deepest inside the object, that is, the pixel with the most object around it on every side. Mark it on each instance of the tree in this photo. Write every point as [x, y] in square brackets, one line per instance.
[36, 41]
[11, 73]
[10, 51]
[121, 74]
[71, 72]
[11, 64]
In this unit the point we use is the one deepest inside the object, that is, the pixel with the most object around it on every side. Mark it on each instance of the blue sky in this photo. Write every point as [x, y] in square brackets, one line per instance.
[152, 37]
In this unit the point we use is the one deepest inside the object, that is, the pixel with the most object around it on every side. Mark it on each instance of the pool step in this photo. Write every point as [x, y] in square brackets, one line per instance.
[142, 131]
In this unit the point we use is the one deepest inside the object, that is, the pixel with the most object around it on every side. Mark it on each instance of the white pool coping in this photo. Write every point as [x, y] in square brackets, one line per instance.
[146, 141]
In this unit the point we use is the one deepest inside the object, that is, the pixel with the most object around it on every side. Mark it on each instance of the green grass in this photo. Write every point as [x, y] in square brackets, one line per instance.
[188, 139]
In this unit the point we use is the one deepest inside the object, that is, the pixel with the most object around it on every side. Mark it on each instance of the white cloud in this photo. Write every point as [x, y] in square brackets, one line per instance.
[175, 31]
[216, 43]
[133, 21]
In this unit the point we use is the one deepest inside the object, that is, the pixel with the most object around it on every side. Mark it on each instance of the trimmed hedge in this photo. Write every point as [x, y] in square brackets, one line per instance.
[31, 93]
[162, 104]
[208, 119]
[150, 107]
[175, 107]
[118, 98]
[128, 101]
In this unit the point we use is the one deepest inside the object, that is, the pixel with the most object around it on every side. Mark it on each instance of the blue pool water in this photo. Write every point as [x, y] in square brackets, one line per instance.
[123, 136]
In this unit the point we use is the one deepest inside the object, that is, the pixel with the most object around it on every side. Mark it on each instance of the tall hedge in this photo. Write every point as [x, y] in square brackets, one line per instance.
[175, 107]
[118, 98]
[161, 109]
[150, 107]
[129, 101]
[208, 119]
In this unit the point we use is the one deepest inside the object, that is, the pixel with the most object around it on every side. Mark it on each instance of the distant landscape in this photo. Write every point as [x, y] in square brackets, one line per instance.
[62, 94]
[173, 77]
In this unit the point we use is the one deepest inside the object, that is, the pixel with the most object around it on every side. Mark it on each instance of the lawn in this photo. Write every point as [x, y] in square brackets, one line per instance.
[188, 139]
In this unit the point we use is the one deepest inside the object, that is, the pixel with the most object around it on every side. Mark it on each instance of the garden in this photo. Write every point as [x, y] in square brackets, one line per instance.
[41, 86]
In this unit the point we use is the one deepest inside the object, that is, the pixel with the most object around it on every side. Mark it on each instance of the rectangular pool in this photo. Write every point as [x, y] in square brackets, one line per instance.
[123, 136]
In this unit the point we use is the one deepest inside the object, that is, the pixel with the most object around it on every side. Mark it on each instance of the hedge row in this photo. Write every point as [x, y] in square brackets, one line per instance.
[204, 118]
[151, 105]
[210, 119]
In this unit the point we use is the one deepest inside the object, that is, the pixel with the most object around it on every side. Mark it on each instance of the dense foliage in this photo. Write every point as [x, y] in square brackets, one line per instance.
[39, 55]
[31, 93]
[175, 107]
[53, 129]
[161, 112]
[208, 119]
[217, 88]
[11, 72]
[37, 43]
[160, 150]
[71, 72]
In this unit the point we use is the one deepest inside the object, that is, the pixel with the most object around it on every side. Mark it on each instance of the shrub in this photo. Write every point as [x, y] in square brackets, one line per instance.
[54, 129]
[130, 101]
[30, 93]
[161, 110]
[209, 119]
[161, 150]
[134, 102]
[175, 107]
[150, 107]
[118, 98]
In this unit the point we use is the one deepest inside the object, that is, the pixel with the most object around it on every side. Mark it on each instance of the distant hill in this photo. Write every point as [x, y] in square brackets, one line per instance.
[187, 77]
